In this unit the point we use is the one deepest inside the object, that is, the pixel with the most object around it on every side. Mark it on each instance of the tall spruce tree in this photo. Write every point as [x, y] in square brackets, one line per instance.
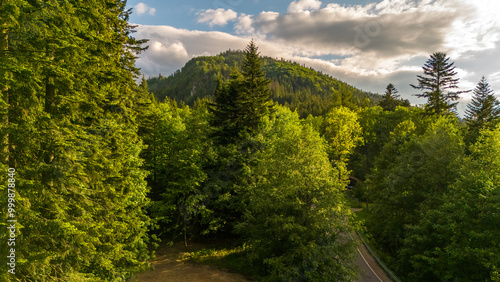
[73, 140]
[436, 83]
[483, 111]
[241, 103]
[255, 100]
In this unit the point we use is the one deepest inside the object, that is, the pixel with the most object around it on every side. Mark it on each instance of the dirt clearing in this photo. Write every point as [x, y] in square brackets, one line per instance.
[169, 267]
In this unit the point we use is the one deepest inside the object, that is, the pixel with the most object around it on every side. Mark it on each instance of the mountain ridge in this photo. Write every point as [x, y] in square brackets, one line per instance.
[300, 88]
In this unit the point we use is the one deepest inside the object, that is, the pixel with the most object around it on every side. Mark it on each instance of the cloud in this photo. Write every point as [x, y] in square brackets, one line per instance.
[494, 78]
[360, 29]
[303, 5]
[477, 29]
[244, 25]
[216, 17]
[142, 9]
[380, 38]
[165, 53]
[170, 48]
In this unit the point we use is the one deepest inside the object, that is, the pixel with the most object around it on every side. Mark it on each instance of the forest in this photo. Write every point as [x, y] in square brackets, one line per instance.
[250, 150]
[292, 85]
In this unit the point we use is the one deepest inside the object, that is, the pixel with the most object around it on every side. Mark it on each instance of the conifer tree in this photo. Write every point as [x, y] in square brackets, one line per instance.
[437, 82]
[244, 100]
[73, 140]
[483, 111]
[391, 99]
[255, 86]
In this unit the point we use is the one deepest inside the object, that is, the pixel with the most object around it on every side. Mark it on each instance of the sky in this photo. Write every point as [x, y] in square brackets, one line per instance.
[367, 44]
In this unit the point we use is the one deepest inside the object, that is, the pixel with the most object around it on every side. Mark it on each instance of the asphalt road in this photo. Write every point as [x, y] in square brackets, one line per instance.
[370, 271]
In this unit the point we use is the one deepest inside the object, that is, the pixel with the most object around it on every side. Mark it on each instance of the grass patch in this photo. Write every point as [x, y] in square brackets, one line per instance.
[353, 203]
[361, 216]
[232, 259]
[351, 200]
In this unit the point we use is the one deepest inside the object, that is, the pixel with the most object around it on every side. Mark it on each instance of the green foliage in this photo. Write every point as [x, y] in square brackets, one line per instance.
[391, 99]
[295, 86]
[342, 131]
[316, 122]
[459, 239]
[343, 97]
[411, 174]
[179, 150]
[296, 222]
[483, 111]
[438, 80]
[242, 102]
[85, 141]
[69, 125]
[376, 127]
[435, 210]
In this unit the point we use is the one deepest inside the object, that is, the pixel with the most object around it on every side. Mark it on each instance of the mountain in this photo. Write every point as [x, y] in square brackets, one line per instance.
[298, 87]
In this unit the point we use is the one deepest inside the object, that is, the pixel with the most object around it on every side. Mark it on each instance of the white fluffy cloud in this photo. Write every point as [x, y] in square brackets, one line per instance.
[170, 48]
[244, 25]
[303, 5]
[142, 9]
[216, 17]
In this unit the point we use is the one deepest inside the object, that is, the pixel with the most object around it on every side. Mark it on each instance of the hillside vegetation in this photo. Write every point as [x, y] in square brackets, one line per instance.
[297, 87]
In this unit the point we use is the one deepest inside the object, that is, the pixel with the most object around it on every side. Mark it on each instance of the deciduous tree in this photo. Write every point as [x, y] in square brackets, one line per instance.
[458, 239]
[296, 222]
[412, 173]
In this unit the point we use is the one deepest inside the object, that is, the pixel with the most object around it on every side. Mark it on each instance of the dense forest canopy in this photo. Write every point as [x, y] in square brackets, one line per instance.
[238, 148]
[69, 130]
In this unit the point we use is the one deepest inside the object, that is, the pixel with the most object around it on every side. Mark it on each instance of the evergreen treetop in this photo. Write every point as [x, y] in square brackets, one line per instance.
[241, 103]
[483, 111]
[391, 99]
[484, 106]
[436, 83]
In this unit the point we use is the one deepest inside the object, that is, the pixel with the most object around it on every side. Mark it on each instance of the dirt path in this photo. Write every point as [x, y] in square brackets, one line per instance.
[169, 267]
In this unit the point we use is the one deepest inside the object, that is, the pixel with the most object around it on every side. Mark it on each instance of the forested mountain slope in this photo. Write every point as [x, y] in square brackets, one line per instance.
[292, 85]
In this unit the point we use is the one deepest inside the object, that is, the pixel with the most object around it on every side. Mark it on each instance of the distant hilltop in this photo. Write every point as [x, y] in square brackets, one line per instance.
[301, 88]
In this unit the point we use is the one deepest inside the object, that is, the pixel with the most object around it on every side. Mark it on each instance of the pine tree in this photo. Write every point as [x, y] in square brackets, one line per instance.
[241, 103]
[436, 84]
[255, 100]
[227, 118]
[483, 111]
[391, 99]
